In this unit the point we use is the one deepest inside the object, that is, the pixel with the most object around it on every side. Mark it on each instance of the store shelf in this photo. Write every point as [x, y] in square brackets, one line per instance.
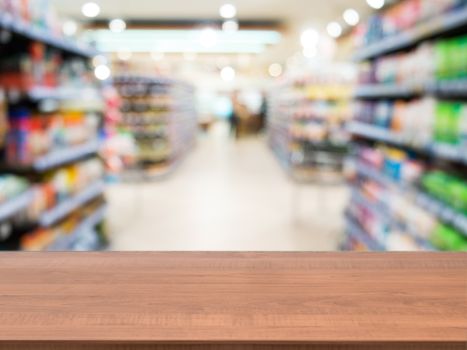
[385, 216]
[166, 134]
[376, 175]
[452, 88]
[65, 208]
[58, 158]
[442, 151]
[449, 88]
[436, 26]
[437, 208]
[91, 221]
[374, 133]
[15, 205]
[39, 93]
[387, 91]
[355, 231]
[33, 33]
[443, 212]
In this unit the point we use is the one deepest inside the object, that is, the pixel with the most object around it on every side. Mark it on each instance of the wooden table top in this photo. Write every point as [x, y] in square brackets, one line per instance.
[233, 297]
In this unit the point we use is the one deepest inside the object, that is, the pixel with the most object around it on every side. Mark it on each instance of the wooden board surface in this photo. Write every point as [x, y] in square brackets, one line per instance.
[233, 297]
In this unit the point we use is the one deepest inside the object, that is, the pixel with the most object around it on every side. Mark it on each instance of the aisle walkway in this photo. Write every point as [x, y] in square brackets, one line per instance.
[226, 196]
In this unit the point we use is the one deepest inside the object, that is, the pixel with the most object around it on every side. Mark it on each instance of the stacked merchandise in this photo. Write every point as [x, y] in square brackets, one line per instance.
[116, 149]
[67, 205]
[36, 21]
[306, 122]
[160, 115]
[50, 118]
[410, 184]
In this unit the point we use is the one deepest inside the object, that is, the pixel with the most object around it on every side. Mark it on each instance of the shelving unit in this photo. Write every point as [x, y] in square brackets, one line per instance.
[361, 237]
[66, 137]
[397, 145]
[387, 91]
[15, 205]
[449, 89]
[33, 33]
[57, 158]
[306, 118]
[379, 134]
[438, 209]
[62, 210]
[389, 220]
[71, 241]
[160, 115]
[454, 20]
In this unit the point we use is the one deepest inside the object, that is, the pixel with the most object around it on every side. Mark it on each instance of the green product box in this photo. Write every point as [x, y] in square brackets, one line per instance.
[442, 122]
[458, 191]
[446, 238]
[453, 122]
[435, 183]
[440, 59]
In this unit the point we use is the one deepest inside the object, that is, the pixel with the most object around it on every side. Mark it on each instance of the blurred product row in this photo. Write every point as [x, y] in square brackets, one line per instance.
[406, 166]
[62, 133]
[409, 185]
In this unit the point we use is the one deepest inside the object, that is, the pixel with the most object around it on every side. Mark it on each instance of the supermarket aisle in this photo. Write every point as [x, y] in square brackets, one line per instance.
[226, 196]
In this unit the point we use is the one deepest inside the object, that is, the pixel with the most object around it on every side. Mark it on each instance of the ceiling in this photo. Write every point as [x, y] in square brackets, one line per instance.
[295, 15]
[316, 12]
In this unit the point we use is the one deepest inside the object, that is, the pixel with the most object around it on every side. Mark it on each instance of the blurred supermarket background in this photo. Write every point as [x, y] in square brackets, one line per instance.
[233, 125]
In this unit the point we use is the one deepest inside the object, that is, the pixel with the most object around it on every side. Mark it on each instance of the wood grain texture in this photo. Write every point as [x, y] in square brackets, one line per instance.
[222, 298]
[321, 346]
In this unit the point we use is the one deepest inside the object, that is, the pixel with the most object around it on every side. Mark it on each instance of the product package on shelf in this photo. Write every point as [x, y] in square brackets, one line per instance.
[408, 174]
[118, 150]
[409, 21]
[160, 116]
[36, 13]
[41, 71]
[53, 201]
[36, 21]
[63, 184]
[78, 232]
[398, 197]
[33, 136]
[50, 118]
[306, 121]
[15, 199]
[3, 117]
[64, 204]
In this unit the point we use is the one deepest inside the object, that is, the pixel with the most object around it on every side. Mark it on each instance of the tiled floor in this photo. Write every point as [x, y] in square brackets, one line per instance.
[226, 195]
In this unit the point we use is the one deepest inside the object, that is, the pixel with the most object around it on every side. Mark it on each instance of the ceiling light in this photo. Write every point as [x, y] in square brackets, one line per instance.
[275, 70]
[124, 55]
[102, 72]
[181, 40]
[310, 52]
[230, 26]
[117, 25]
[351, 17]
[90, 9]
[208, 37]
[157, 56]
[228, 11]
[309, 37]
[376, 4]
[228, 74]
[334, 29]
[99, 60]
[69, 27]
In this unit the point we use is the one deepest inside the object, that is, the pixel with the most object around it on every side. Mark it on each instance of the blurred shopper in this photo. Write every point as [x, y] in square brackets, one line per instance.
[233, 117]
[263, 111]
